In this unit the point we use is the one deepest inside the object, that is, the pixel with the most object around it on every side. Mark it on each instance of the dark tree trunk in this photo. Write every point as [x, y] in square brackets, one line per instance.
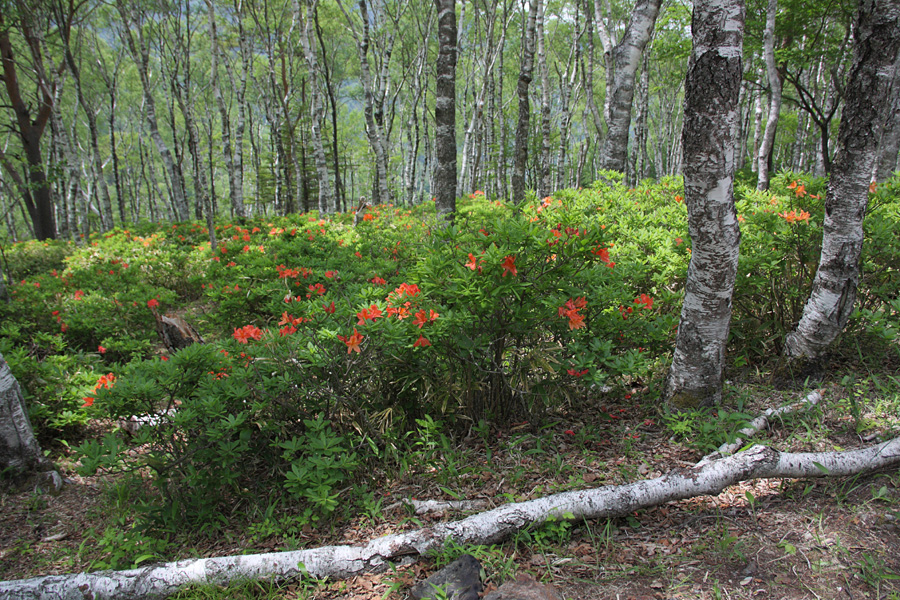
[522, 125]
[445, 111]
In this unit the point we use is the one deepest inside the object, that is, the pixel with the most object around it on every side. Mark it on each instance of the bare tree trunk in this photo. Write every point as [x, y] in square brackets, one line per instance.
[889, 146]
[522, 124]
[106, 212]
[768, 140]
[622, 64]
[445, 111]
[235, 190]
[877, 41]
[544, 181]
[19, 450]
[140, 53]
[373, 130]
[712, 90]
[326, 195]
[29, 127]
[340, 196]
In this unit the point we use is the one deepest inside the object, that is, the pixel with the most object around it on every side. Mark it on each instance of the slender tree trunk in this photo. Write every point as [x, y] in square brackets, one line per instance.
[522, 124]
[712, 90]
[373, 130]
[140, 53]
[30, 128]
[234, 184]
[544, 181]
[622, 65]
[889, 146]
[877, 42]
[768, 140]
[340, 196]
[445, 111]
[106, 213]
[326, 194]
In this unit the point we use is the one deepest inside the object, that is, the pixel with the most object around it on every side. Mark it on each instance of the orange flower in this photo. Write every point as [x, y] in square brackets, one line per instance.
[509, 265]
[246, 333]
[473, 262]
[644, 300]
[873, 187]
[152, 302]
[421, 319]
[353, 341]
[793, 217]
[421, 342]
[329, 308]
[800, 191]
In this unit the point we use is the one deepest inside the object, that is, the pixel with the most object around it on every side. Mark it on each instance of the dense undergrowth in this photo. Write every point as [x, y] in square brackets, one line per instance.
[332, 348]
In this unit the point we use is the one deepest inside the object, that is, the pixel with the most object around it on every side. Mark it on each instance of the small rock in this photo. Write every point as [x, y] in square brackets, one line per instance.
[523, 588]
[460, 580]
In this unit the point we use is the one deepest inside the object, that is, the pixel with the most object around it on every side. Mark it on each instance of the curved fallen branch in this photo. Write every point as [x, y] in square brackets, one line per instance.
[761, 422]
[482, 528]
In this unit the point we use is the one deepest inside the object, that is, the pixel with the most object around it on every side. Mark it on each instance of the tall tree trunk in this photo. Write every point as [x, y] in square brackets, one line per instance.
[36, 192]
[340, 196]
[544, 181]
[889, 146]
[712, 89]
[768, 139]
[876, 31]
[373, 130]
[622, 64]
[520, 156]
[106, 213]
[235, 191]
[140, 53]
[445, 111]
[326, 195]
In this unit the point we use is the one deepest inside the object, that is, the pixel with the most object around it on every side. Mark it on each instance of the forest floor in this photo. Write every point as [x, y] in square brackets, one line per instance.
[826, 538]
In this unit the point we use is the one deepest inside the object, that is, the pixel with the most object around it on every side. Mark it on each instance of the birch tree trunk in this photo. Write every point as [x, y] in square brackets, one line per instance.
[622, 62]
[373, 130]
[106, 212]
[326, 195]
[543, 178]
[520, 158]
[889, 146]
[140, 53]
[445, 111]
[877, 40]
[768, 139]
[234, 191]
[19, 450]
[712, 89]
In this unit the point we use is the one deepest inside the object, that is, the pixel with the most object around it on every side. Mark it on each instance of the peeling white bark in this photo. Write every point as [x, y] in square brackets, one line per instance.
[774, 97]
[712, 90]
[877, 39]
[489, 527]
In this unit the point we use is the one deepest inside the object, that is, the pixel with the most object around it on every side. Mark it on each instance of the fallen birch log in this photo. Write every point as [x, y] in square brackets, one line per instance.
[158, 581]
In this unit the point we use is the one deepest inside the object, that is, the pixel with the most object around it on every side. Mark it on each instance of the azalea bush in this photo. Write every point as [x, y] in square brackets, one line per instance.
[323, 338]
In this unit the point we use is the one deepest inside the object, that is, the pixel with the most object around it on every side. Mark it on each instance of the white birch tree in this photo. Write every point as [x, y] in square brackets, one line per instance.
[876, 31]
[768, 139]
[712, 90]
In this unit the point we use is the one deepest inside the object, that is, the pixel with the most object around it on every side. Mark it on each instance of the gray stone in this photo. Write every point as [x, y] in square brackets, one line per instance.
[523, 588]
[460, 580]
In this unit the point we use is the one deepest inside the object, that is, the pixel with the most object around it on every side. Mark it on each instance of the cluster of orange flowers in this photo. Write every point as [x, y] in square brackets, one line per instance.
[570, 311]
[105, 381]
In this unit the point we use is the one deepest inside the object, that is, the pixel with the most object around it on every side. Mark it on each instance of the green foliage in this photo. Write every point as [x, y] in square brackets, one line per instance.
[706, 429]
[215, 428]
